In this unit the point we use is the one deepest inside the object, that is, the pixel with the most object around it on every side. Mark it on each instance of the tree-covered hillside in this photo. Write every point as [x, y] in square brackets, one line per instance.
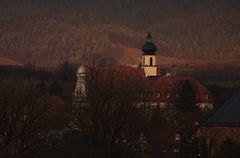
[48, 32]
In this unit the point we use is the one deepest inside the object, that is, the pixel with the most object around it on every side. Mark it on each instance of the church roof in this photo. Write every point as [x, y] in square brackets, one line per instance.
[149, 47]
[153, 85]
[228, 115]
[117, 73]
[172, 86]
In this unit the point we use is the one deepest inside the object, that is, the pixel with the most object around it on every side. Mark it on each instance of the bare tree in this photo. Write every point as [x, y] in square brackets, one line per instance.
[22, 110]
[109, 116]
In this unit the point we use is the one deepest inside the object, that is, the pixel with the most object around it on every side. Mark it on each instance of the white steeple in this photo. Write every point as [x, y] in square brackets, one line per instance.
[149, 57]
[80, 89]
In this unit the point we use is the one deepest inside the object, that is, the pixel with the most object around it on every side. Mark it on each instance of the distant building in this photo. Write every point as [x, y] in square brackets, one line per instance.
[224, 123]
[160, 87]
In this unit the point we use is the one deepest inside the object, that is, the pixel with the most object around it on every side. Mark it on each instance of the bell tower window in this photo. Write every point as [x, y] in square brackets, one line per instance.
[151, 61]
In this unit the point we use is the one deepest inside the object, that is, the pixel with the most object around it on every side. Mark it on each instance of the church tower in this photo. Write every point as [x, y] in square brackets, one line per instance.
[149, 57]
[80, 89]
[79, 95]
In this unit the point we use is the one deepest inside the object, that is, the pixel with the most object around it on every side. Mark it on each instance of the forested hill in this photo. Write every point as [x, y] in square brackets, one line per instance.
[48, 32]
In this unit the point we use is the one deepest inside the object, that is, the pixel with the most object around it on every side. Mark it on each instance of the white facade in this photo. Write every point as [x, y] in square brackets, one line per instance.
[80, 88]
[149, 63]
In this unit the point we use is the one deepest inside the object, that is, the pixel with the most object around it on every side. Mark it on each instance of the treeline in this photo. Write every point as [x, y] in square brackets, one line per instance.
[225, 75]
[64, 72]
[112, 120]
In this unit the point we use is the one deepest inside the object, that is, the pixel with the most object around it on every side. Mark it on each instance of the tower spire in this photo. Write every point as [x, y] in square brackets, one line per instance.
[149, 37]
[149, 59]
[149, 47]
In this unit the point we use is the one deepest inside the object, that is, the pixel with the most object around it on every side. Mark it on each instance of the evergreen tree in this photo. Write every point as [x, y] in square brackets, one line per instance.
[55, 89]
[157, 118]
[187, 97]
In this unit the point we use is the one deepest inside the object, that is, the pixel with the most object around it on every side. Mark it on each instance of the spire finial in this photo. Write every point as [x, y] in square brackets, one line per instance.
[149, 47]
[149, 37]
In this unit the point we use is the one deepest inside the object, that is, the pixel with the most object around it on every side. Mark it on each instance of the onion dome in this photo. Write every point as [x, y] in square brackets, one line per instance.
[149, 48]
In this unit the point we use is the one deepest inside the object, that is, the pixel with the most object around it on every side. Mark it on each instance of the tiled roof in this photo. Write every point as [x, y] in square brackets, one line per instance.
[171, 86]
[228, 115]
[163, 89]
[117, 73]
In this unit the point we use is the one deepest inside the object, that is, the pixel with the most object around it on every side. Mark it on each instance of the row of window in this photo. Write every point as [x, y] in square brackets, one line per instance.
[168, 95]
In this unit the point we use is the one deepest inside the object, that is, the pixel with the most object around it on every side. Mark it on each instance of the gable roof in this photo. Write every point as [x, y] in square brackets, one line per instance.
[116, 72]
[228, 115]
[172, 86]
[167, 87]
[174, 83]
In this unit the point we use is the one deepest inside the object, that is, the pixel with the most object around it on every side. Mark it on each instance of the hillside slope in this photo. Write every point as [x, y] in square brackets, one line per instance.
[49, 32]
[9, 62]
[132, 56]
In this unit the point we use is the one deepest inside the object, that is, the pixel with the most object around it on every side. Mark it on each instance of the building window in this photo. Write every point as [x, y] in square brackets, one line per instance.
[206, 96]
[177, 136]
[196, 123]
[143, 61]
[197, 96]
[175, 150]
[168, 95]
[151, 61]
[158, 95]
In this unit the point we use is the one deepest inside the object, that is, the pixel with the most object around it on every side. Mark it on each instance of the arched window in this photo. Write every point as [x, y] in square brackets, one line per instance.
[151, 61]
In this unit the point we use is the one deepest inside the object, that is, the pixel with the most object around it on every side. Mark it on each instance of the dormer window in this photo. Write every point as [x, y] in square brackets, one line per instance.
[206, 96]
[177, 136]
[168, 95]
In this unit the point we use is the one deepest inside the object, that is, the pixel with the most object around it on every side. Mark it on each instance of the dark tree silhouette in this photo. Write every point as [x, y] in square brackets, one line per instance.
[187, 97]
[109, 119]
[157, 118]
[22, 112]
[55, 88]
[66, 71]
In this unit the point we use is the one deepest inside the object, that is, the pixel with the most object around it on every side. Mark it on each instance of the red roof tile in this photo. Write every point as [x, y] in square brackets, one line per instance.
[153, 86]
[172, 86]
[118, 72]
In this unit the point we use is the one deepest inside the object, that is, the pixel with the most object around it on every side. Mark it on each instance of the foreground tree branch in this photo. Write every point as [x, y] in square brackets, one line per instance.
[22, 110]
[109, 115]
